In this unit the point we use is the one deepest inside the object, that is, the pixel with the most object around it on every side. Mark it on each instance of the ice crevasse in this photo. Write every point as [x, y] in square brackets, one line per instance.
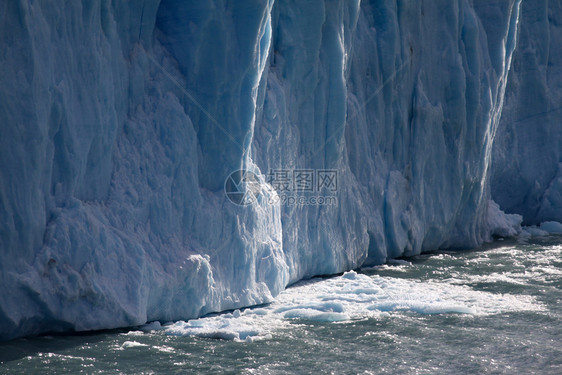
[120, 122]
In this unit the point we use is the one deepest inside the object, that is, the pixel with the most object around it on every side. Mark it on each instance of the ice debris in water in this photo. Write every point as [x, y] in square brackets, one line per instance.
[346, 298]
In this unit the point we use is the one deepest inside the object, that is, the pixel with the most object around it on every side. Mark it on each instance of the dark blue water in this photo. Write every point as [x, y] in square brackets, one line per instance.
[490, 312]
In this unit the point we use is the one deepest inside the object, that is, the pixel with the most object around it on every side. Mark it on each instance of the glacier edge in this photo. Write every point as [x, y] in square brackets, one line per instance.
[121, 122]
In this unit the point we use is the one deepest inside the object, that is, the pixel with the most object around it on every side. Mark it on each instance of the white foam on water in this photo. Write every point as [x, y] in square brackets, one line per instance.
[164, 348]
[349, 297]
[527, 268]
[64, 357]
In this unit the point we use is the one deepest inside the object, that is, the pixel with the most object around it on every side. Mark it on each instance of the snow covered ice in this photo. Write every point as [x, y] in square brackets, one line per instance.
[120, 122]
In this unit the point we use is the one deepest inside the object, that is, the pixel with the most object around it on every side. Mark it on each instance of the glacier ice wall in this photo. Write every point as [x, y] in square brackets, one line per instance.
[105, 220]
[403, 99]
[527, 167]
[120, 122]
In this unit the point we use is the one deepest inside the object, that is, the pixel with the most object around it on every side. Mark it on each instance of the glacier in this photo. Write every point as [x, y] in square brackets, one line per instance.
[121, 121]
[527, 168]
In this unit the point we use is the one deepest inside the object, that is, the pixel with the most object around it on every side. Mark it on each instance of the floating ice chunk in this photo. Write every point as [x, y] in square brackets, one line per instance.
[152, 326]
[398, 262]
[315, 315]
[532, 231]
[236, 327]
[552, 227]
[502, 224]
[423, 308]
[134, 333]
[132, 344]
[351, 275]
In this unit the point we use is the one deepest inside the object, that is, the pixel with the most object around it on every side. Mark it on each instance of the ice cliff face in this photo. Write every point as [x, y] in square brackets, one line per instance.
[120, 122]
[111, 208]
[527, 173]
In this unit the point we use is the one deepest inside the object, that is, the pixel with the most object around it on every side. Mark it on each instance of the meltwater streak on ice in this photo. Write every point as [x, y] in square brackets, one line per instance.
[523, 181]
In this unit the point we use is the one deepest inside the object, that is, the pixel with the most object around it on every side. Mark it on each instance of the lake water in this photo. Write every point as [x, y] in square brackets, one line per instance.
[493, 311]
